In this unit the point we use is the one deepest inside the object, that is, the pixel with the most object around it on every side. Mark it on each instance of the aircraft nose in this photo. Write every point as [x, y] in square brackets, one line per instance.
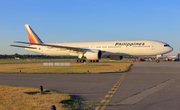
[169, 49]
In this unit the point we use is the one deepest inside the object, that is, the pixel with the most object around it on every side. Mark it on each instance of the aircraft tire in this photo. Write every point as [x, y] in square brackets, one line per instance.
[157, 61]
[82, 60]
[92, 61]
[78, 60]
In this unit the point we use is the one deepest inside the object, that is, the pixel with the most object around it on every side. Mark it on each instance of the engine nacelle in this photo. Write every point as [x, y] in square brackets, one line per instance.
[116, 57]
[93, 54]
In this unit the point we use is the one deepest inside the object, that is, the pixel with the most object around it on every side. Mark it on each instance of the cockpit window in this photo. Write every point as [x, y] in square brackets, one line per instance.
[166, 45]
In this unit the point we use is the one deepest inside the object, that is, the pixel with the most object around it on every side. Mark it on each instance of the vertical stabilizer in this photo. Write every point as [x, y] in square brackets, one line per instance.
[33, 38]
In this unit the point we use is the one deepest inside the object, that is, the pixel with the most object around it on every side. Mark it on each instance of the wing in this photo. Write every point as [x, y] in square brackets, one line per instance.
[56, 46]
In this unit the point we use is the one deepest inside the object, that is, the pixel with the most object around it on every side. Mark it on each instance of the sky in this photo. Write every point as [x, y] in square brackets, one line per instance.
[89, 20]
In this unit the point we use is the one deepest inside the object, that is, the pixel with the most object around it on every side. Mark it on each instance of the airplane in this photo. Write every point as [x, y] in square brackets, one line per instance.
[94, 51]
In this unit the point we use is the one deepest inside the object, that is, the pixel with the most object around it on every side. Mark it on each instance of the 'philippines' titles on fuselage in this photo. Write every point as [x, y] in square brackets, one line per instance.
[129, 44]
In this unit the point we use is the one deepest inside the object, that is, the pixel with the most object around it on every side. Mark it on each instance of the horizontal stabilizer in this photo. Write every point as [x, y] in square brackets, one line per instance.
[23, 46]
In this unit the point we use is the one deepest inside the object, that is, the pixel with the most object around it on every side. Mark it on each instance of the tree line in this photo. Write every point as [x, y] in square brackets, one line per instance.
[34, 57]
[44, 57]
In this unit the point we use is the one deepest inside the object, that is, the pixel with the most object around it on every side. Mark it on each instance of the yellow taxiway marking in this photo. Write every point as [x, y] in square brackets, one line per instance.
[98, 108]
[103, 107]
[113, 88]
[110, 93]
[105, 101]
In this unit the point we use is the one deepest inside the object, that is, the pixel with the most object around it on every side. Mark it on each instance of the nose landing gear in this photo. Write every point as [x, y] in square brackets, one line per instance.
[157, 61]
[158, 58]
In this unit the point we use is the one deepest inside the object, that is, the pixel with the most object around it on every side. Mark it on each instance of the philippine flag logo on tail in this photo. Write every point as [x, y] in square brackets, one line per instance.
[33, 38]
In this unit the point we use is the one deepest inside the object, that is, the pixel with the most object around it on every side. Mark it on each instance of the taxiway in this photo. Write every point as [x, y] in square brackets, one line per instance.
[149, 86]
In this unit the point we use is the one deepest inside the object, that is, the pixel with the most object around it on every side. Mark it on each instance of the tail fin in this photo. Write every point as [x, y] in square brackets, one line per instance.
[33, 38]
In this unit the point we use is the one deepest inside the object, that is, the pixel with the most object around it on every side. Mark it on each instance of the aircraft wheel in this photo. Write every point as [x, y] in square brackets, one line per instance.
[82, 60]
[157, 61]
[93, 61]
[78, 60]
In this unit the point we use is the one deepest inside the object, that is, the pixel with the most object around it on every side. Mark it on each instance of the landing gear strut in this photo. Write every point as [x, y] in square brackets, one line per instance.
[158, 56]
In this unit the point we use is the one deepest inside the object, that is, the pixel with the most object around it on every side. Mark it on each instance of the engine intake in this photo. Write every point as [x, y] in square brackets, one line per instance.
[93, 54]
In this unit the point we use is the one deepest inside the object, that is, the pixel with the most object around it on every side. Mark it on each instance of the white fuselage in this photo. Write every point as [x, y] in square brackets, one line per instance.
[111, 48]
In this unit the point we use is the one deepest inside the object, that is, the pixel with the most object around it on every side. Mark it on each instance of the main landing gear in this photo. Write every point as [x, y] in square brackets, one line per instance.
[80, 60]
[93, 61]
[84, 60]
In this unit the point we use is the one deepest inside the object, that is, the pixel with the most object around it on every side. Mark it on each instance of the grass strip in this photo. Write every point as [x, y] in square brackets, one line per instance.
[54, 60]
[74, 68]
[33, 60]
[25, 98]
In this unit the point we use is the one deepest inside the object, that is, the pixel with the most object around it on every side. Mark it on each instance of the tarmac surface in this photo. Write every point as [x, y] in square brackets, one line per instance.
[150, 86]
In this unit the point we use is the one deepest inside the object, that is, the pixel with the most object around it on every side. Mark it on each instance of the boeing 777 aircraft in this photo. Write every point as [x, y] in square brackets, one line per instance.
[94, 51]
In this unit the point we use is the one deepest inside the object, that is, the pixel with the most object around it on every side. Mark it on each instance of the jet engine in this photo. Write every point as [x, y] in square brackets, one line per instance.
[93, 54]
[116, 57]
